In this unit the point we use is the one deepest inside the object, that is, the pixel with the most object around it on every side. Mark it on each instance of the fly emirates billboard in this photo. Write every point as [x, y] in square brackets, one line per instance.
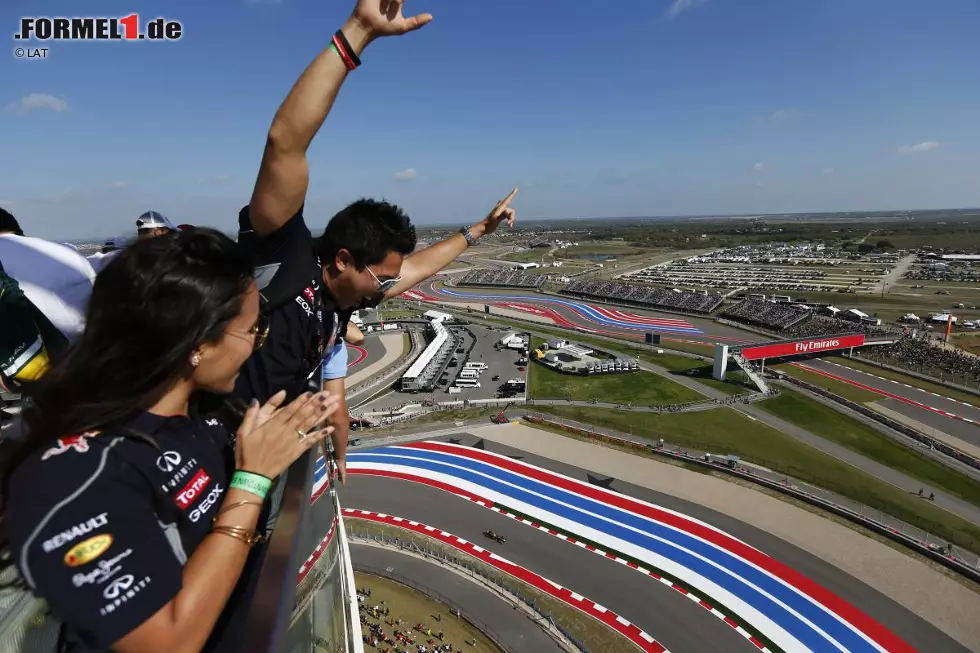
[800, 347]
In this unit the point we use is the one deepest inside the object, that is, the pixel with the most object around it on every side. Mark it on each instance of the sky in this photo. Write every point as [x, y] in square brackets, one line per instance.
[593, 109]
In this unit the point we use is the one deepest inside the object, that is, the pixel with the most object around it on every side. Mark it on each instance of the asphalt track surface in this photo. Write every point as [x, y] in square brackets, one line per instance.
[959, 419]
[513, 628]
[677, 623]
[633, 325]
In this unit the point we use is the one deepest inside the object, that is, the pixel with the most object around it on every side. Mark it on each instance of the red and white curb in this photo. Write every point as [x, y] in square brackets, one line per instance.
[317, 552]
[911, 387]
[885, 393]
[643, 570]
[486, 503]
[591, 608]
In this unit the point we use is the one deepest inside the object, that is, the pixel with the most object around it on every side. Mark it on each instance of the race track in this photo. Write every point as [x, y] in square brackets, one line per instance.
[785, 598]
[614, 321]
[949, 416]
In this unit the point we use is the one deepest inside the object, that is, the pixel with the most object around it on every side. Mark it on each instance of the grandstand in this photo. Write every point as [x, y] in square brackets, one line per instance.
[768, 315]
[502, 279]
[796, 322]
[422, 374]
[645, 296]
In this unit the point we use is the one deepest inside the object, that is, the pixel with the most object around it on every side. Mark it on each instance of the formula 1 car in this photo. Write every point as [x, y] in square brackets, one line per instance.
[499, 539]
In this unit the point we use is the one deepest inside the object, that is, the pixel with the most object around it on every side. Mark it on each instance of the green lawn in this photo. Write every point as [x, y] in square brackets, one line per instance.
[859, 395]
[725, 431]
[684, 364]
[857, 436]
[639, 388]
[911, 380]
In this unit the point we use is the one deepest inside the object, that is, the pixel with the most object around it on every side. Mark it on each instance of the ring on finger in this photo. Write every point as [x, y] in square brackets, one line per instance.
[302, 434]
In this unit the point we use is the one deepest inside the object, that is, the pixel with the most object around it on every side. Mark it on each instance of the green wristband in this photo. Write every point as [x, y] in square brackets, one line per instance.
[252, 483]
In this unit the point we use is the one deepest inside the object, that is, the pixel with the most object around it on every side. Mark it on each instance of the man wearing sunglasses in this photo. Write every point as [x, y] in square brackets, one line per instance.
[366, 252]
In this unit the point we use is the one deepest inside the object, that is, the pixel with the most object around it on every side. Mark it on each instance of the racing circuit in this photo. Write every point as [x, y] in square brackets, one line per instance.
[667, 573]
[674, 575]
[958, 420]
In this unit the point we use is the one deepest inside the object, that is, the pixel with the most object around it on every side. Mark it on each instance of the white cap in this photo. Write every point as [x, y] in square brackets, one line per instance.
[154, 220]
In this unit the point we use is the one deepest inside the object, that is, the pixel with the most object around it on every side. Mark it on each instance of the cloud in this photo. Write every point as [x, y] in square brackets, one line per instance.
[36, 101]
[678, 7]
[118, 185]
[759, 166]
[405, 175]
[829, 170]
[215, 180]
[786, 114]
[924, 146]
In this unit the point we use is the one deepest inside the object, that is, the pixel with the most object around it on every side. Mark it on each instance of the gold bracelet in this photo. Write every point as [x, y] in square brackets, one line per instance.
[237, 504]
[249, 537]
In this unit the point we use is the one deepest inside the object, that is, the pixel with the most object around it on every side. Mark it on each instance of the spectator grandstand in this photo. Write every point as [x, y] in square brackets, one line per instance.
[502, 279]
[921, 354]
[768, 315]
[645, 296]
[796, 322]
[432, 361]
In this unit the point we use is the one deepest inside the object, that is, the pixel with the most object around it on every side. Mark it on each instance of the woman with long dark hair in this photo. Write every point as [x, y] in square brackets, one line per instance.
[130, 506]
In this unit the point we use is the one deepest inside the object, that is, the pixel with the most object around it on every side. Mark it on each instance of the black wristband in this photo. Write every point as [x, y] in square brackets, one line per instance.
[350, 51]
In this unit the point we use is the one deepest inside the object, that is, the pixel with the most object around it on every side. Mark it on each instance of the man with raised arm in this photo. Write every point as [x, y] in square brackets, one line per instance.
[366, 252]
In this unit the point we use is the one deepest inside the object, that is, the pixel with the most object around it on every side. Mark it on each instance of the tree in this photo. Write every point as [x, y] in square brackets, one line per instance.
[885, 244]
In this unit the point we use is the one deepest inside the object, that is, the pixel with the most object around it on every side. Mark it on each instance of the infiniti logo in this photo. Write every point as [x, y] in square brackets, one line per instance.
[169, 461]
[118, 586]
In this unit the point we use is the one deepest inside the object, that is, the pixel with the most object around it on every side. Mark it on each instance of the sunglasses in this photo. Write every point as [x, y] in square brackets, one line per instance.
[261, 332]
[387, 284]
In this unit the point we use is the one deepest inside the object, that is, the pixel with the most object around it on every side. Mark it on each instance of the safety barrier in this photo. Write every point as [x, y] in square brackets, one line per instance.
[955, 558]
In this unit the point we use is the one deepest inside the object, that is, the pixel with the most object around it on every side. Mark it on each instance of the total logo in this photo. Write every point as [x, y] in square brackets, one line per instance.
[120, 591]
[193, 489]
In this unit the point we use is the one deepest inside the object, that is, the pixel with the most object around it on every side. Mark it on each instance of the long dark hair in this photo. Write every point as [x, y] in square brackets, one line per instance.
[150, 308]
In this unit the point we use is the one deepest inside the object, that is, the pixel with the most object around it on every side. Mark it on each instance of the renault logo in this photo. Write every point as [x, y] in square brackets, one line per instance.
[118, 586]
[169, 461]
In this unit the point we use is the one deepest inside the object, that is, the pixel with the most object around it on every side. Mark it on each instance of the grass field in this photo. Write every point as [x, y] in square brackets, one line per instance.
[725, 431]
[595, 635]
[414, 607]
[683, 365]
[638, 388]
[837, 427]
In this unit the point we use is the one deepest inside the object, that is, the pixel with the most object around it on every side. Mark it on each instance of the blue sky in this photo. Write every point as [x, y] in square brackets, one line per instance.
[630, 108]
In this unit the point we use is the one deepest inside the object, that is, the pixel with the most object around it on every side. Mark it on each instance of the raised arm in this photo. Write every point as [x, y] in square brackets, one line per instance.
[284, 175]
[421, 265]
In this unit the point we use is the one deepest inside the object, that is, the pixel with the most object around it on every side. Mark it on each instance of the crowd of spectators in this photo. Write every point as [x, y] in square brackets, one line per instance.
[645, 296]
[922, 355]
[768, 315]
[817, 325]
[502, 279]
[376, 622]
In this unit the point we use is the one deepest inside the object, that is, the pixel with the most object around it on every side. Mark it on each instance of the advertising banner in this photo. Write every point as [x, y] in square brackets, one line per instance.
[798, 347]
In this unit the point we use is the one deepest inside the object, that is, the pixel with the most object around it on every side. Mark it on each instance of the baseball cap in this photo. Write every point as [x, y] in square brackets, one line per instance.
[153, 220]
[115, 242]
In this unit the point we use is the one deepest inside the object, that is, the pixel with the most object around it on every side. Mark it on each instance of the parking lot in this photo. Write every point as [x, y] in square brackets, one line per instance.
[477, 343]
